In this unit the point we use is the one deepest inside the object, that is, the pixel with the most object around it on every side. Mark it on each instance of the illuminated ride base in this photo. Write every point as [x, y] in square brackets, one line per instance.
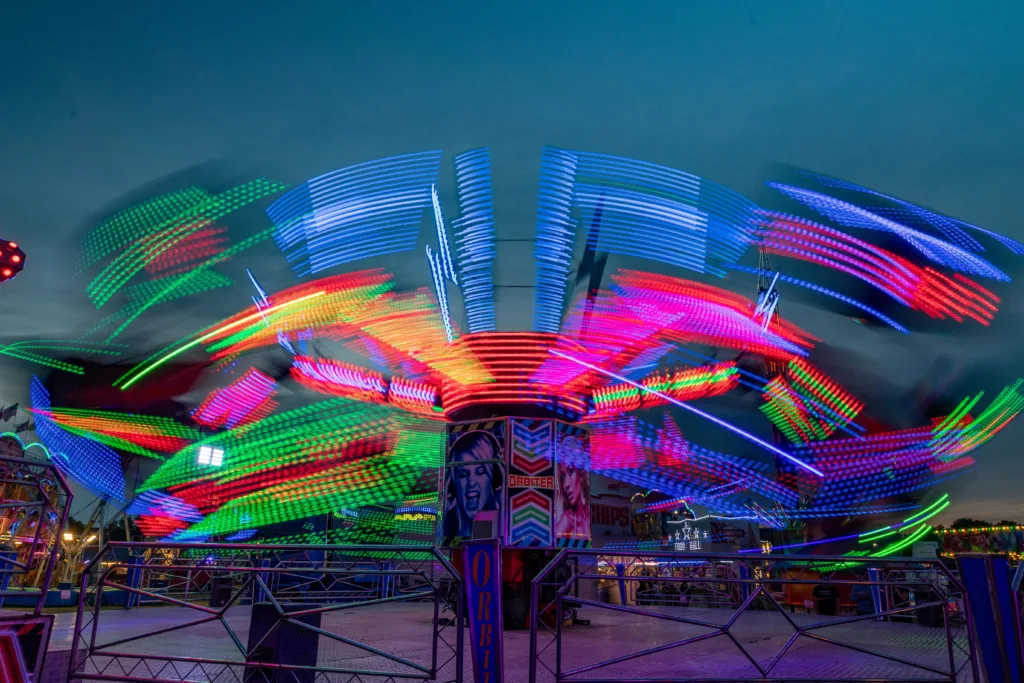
[523, 481]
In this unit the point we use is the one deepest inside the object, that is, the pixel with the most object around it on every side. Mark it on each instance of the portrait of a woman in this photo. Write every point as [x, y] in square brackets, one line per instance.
[474, 484]
[572, 497]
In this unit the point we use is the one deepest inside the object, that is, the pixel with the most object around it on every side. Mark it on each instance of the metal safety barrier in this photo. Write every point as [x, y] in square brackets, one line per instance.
[171, 612]
[674, 616]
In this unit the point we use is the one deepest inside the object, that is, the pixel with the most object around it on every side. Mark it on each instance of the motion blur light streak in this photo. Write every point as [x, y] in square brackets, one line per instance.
[696, 411]
[118, 231]
[436, 270]
[154, 246]
[339, 394]
[789, 404]
[244, 401]
[353, 213]
[159, 504]
[952, 227]
[475, 246]
[340, 379]
[648, 211]
[199, 279]
[136, 374]
[835, 295]
[934, 248]
[140, 434]
[682, 385]
[871, 536]
[26, 351]
[922, 289]
[91, 464]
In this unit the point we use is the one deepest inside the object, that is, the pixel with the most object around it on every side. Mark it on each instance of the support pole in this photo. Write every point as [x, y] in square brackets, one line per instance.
[993, 614]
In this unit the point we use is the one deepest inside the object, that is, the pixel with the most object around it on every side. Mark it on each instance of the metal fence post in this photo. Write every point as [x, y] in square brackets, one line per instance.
[258, 592]
[7, 557]
[133, 580]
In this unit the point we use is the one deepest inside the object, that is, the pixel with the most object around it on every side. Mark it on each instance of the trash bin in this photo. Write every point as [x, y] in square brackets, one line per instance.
[928, 616]
[220, 590]
[287, 644]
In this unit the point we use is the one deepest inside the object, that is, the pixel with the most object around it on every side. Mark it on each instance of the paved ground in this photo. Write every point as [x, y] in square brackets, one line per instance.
[404, 630]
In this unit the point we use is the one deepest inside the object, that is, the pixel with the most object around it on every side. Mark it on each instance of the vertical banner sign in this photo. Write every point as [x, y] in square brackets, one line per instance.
[482, 575]
[531, 482]
[987, 580]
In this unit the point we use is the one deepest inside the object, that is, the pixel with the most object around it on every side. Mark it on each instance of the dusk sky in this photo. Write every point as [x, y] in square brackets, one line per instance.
[921, 100]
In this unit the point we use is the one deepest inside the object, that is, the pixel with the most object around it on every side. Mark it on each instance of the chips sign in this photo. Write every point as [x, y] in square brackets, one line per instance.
[609, 515]
[482, 574]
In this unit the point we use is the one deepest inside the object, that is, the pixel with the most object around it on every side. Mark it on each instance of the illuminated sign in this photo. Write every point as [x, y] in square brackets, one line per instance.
[518, 481]
[414, 517]
[482, 572]
[687, 538]
[609, 515]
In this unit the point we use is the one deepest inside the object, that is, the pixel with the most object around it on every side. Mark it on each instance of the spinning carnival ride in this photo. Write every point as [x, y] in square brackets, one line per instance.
[408, 415]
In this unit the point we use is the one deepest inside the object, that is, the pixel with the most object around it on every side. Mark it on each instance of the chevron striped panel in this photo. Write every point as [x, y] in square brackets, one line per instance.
[573, 543]
[530, 518]
[531, 447]
[531, 483]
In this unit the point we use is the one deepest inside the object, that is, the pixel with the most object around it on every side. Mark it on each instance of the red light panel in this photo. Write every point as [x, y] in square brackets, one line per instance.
[12, 260]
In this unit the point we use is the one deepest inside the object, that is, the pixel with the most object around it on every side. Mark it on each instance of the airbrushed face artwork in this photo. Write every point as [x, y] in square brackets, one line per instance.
[475, 483]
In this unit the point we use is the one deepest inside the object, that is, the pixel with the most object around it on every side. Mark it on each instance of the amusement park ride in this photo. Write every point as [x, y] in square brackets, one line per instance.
[408, 416]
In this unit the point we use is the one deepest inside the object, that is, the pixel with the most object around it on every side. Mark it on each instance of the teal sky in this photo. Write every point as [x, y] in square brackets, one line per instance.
[918, 99]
